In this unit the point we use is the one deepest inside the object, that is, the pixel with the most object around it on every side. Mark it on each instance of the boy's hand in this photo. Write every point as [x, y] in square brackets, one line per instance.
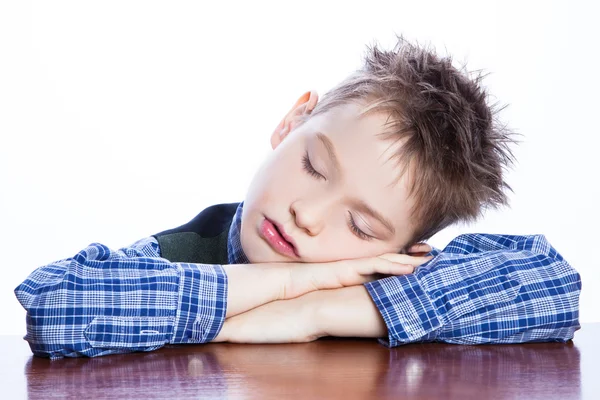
[252, 285]
[304, 278]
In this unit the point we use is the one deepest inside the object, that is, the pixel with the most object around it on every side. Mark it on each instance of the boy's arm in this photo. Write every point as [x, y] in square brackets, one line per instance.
[481, 289]
[303, 319]
[103, 301]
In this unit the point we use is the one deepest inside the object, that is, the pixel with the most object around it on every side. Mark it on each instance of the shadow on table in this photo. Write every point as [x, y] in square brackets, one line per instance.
[347, 368]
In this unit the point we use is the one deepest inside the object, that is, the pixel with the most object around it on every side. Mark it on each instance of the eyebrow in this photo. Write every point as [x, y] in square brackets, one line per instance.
[330, 150]
[365, 208]
[359, 204]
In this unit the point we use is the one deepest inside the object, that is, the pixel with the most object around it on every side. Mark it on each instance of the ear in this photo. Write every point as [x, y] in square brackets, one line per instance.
[305, 104]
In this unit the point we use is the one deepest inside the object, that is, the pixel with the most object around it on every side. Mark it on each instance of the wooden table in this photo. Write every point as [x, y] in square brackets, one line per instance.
[328, 368]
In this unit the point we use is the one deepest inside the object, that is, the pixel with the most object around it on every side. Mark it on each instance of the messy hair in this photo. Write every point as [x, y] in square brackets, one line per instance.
[451, 140]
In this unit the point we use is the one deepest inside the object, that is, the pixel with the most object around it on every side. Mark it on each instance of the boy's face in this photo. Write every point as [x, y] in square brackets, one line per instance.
[315, 208]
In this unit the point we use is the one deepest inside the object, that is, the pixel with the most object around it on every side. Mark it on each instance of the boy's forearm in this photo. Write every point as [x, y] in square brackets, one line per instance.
[281, 321]
[344, 312]
[252, 285]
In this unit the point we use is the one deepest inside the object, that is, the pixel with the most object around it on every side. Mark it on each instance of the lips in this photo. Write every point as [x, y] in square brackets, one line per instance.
[275, 235]
[283, 234]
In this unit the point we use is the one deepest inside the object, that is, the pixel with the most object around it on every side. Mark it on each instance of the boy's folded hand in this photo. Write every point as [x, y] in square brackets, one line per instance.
[307, 277]
[252, 285]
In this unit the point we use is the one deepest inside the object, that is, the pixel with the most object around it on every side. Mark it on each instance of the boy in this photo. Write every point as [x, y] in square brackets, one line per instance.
[398, 151]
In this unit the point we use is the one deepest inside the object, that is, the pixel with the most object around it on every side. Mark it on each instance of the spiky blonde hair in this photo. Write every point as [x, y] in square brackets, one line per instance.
[452, 141]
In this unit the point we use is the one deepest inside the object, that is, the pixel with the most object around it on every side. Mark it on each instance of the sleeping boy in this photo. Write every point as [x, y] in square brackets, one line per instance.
[330, 237]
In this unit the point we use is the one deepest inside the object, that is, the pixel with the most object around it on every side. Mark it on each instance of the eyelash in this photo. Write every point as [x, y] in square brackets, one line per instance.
[307, 166]
[356, 230]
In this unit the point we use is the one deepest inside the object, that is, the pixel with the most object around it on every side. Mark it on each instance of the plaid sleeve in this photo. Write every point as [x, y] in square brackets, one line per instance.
[483, 288]
[104, 301]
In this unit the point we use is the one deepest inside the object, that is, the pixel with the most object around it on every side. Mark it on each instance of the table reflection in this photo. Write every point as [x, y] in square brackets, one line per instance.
[344, 368]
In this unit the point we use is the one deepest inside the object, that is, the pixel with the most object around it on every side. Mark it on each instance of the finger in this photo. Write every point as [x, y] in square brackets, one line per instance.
[405, 258]
[389, 267]
[419, 248]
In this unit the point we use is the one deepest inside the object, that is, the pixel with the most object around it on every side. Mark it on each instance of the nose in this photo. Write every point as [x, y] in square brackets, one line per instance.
[310, 215]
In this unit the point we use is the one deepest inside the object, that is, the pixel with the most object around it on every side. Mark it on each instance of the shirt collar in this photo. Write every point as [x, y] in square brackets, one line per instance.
[235, 253]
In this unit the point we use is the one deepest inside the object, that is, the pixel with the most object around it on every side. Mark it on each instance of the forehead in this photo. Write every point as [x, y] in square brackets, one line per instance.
[358, 138]
[369, 168]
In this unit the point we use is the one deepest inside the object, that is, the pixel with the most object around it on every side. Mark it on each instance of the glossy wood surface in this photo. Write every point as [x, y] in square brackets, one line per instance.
[328, 368]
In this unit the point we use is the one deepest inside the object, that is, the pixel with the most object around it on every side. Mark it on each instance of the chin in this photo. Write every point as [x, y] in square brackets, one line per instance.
[256, 250]
[260, 252]
[260, 257]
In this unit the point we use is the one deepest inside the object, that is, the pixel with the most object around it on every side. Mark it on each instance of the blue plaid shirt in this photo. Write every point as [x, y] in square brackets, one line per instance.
[481, 288]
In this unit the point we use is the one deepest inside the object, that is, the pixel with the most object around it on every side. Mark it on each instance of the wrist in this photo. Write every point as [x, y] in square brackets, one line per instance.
[224, 333]
[294, 279]
[283, 321]
[276, 279]
[252, 285]
[322, 309]
[312, 309]
[348, 311]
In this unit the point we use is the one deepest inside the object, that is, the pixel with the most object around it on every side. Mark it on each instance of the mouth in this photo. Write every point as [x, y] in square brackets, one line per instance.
[276, 237]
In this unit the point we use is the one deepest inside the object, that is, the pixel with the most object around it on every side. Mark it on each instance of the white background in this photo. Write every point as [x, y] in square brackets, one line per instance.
[117, 117]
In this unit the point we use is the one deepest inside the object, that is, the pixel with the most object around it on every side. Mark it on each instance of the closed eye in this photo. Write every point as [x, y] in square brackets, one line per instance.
[357, 230]
[307, 166]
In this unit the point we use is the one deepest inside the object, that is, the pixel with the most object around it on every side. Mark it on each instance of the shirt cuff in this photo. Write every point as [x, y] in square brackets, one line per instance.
[202, 303]
[406, 309]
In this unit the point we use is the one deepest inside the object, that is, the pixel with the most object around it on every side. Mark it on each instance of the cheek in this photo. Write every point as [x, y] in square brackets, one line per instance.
[355, 248]
[284, 175]
[341, 246]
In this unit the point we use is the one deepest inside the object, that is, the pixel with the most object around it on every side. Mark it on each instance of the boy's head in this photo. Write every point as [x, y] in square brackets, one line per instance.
[408, 137]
